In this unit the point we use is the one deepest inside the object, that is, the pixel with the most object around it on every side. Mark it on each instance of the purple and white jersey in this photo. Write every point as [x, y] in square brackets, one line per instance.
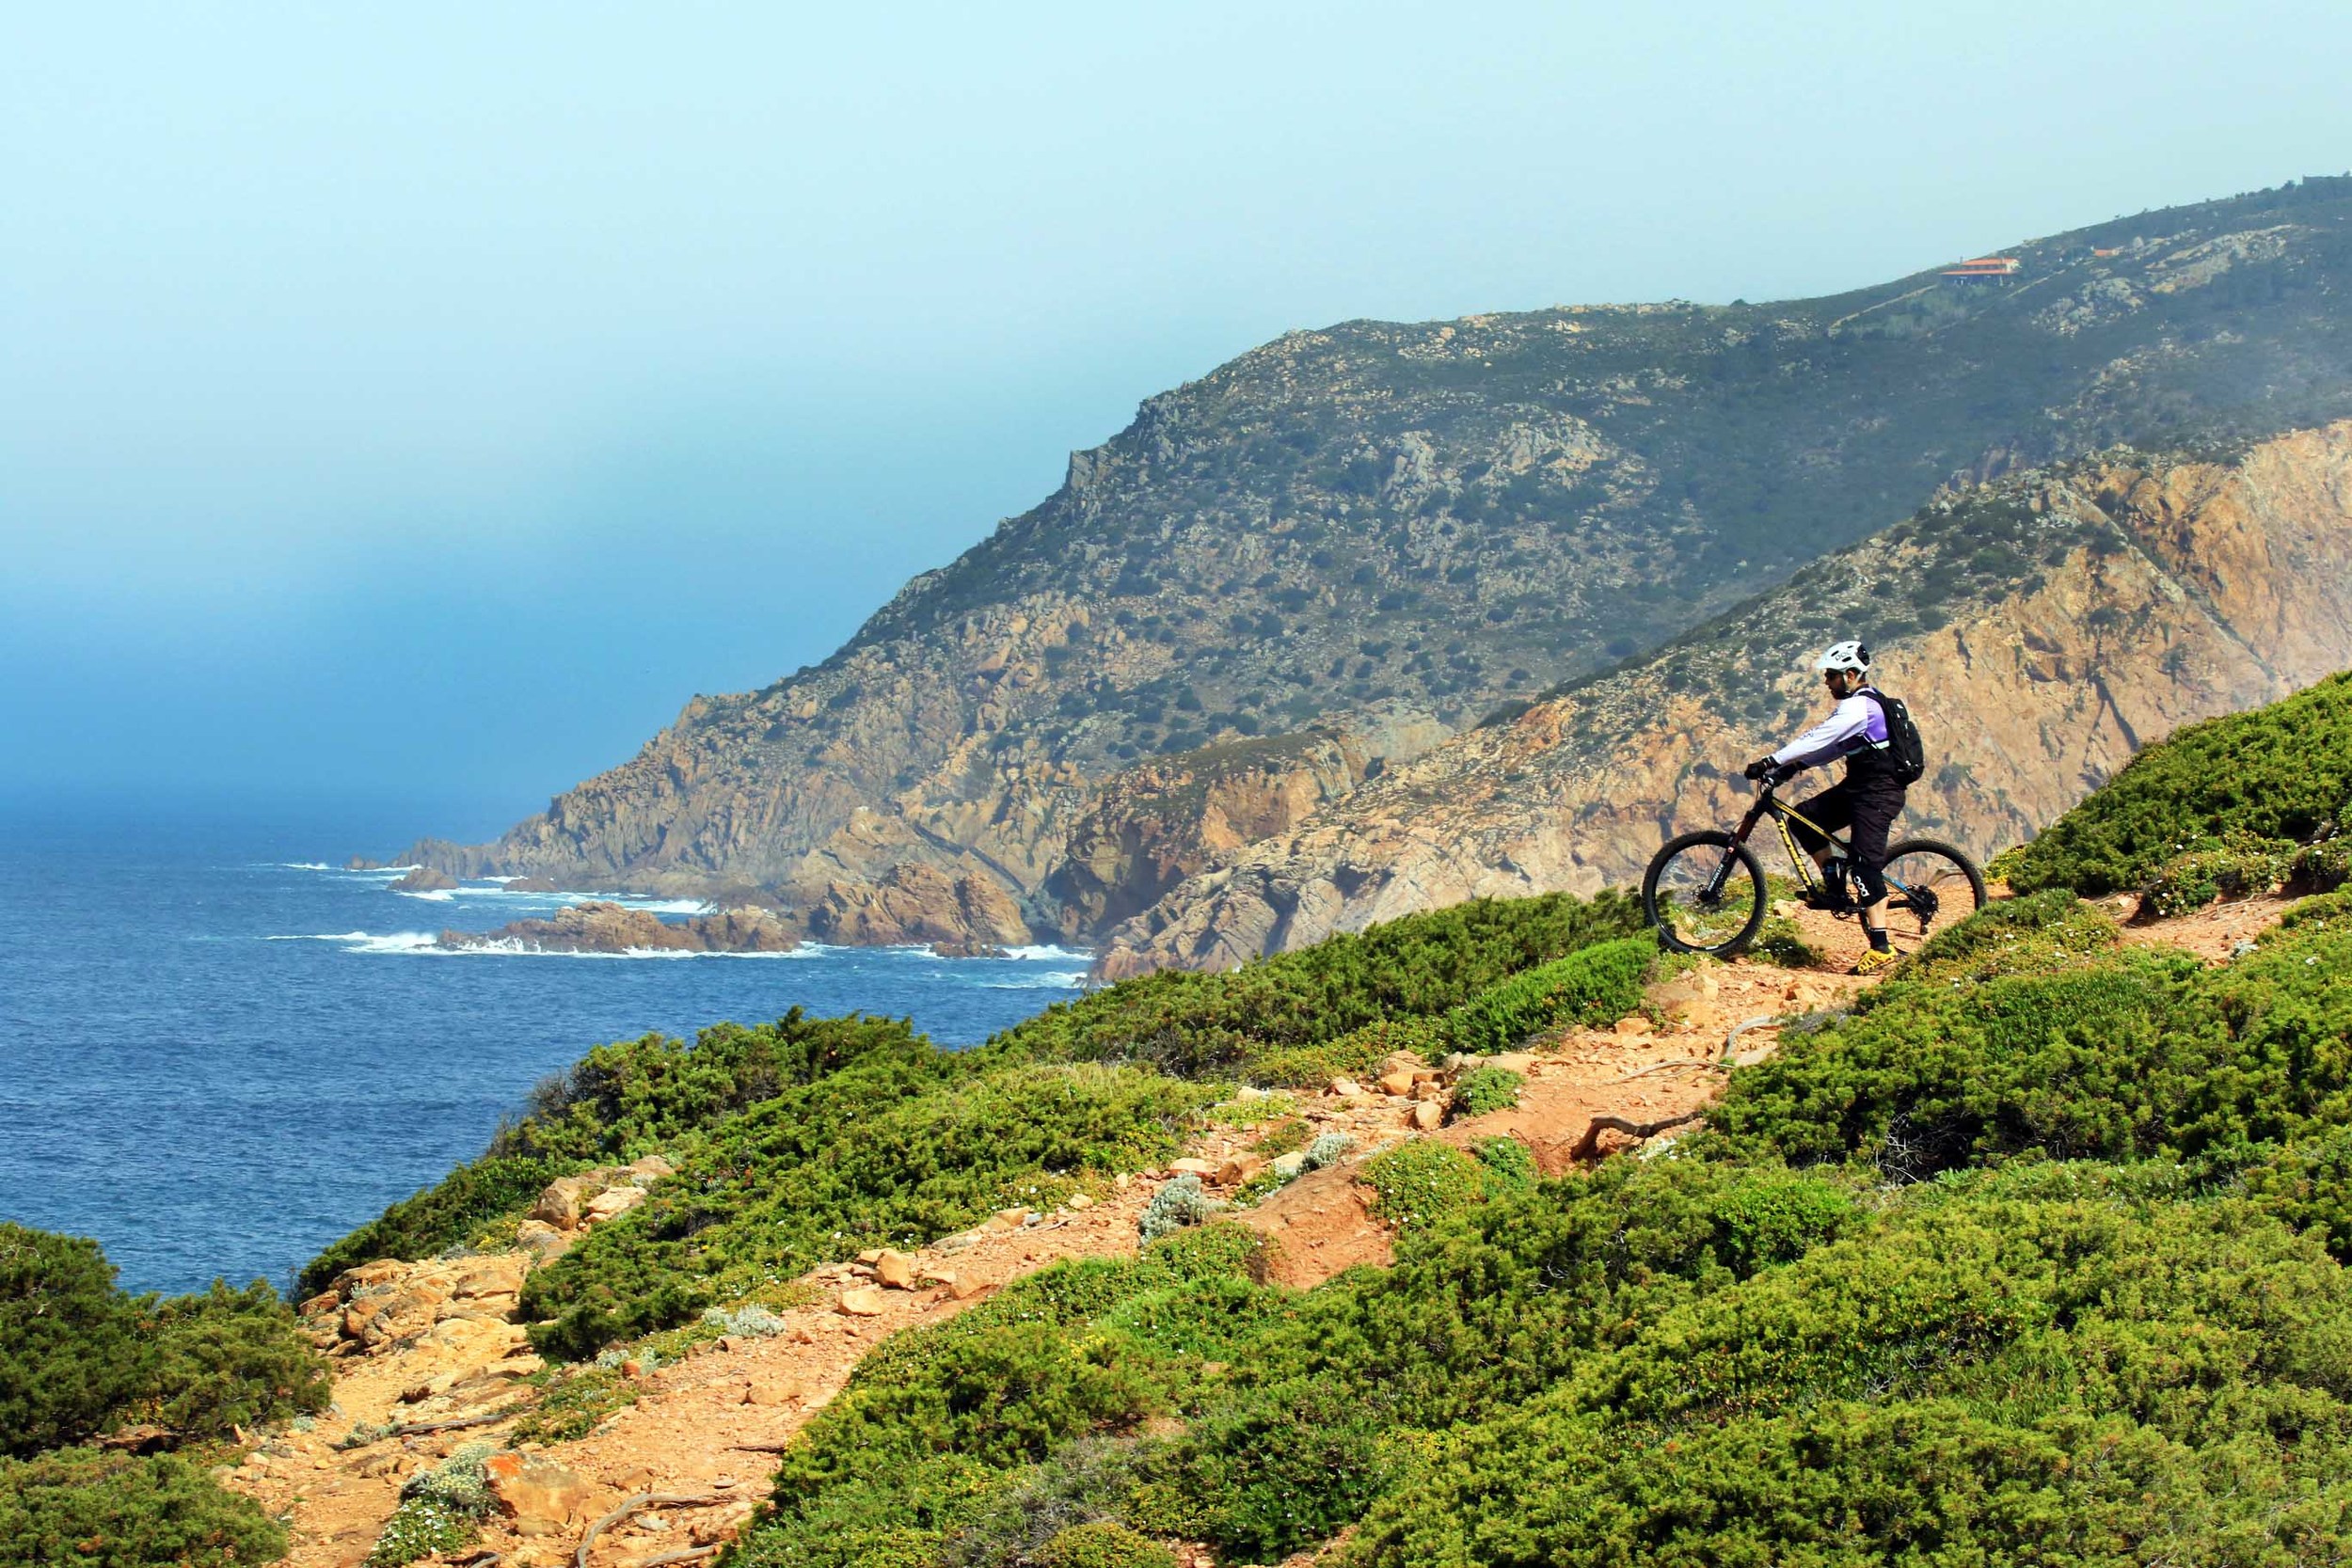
[1855, 723]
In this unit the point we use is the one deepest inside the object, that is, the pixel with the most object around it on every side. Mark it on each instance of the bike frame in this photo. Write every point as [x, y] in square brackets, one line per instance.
[1782, 814]
[1808, 875]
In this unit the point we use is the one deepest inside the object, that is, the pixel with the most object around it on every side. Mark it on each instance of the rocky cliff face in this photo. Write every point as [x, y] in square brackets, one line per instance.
[1151, 827]
[1385, 530]
[2043, 627]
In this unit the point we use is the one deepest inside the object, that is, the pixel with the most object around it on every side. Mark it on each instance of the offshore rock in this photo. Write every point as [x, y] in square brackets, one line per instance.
[2042, 630]
[604, 928]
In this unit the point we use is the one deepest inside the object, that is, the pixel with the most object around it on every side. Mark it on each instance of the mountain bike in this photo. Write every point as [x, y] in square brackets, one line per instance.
[1706, 891]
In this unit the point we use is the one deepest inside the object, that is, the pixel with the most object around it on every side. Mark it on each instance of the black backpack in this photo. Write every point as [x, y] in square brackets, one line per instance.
[1905, 759]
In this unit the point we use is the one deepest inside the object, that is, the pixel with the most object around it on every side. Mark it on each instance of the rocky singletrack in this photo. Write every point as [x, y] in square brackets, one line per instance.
[675, 1474]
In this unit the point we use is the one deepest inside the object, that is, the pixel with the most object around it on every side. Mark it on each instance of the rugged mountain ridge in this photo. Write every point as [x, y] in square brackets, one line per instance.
[2044, 626]
[1383, 530]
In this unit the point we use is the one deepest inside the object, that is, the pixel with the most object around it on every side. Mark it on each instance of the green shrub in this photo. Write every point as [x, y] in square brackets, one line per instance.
[1271, 1471]
[1485, 1090]
[1508, 1161]
[1101, 1545]
[70, 1356]
[228, 1359]
[2327, 864]
[1592, 985]
[1353, 1054]
[2237, 865]
[78, 1357]
[2308, 1184]
[633, 1097]
[1996, 1375]
[617, 1102]
[75, 1508]
[440, 1510]
[1191, 1023]
[880, 1153]
[2281, 772]
[1420, 1181]
[1849, 1485]
[986, 1434]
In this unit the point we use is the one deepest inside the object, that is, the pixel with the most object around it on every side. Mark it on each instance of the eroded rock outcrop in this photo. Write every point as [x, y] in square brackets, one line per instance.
[918, 905]
[2076, 614]
[1152, 826]
[599, 927]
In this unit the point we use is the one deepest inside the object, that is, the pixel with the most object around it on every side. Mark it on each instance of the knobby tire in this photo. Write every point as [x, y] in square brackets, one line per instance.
[1744, 869]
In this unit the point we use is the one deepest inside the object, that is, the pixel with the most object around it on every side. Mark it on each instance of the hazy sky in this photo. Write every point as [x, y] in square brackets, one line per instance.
[429, 403]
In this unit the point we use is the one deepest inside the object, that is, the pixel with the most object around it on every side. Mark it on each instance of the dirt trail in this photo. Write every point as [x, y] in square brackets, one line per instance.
[706, 1428]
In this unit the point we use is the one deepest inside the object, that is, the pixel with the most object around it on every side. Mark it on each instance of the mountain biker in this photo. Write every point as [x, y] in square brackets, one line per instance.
[1866, 799]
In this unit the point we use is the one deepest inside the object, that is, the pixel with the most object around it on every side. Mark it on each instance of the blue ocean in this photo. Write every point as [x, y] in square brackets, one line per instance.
[217, 1053]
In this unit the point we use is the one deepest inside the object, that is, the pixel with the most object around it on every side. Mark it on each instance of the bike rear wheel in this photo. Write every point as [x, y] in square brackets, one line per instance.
[1929, 885]
[1705, 893]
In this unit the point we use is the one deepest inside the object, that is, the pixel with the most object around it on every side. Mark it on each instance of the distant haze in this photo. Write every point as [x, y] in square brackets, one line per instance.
[431, 403]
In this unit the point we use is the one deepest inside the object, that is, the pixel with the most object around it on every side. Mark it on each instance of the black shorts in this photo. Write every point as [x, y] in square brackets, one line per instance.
[1869, 811]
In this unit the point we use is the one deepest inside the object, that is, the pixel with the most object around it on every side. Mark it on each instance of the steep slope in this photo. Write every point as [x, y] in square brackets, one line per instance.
[2043, 627]
[1384, 529]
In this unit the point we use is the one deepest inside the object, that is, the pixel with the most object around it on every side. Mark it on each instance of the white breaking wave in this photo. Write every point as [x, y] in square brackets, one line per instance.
[394, 871]
[428, 945]
[627, 900]
[1049, 951]
[364, 942]
[1050, 980]
[430, 896]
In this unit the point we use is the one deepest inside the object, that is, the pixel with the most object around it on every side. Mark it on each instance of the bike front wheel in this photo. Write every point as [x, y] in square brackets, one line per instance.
[1705, 893]
[1929, 885]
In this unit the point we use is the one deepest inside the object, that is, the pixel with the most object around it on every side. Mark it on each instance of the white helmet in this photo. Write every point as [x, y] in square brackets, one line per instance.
[1845, 655]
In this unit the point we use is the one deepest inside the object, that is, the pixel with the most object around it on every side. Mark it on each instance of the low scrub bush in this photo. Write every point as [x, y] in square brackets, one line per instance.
[1271, 1471]
[1353, 1054]
[78, 1357]
[1104, 1544]
[225, 1359]
[619, 1102]
[878, 1154]
[944, 1444]
[1423, 1181]
[2113, 1053]
[2282, 772]
[69, 1359]
[1508, 1161]
[2235, 867]
[1592, 985]
[77, 1508]
[1485, 1090]
[1189, 1023]
[440, 1510]
[2005, 1377]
